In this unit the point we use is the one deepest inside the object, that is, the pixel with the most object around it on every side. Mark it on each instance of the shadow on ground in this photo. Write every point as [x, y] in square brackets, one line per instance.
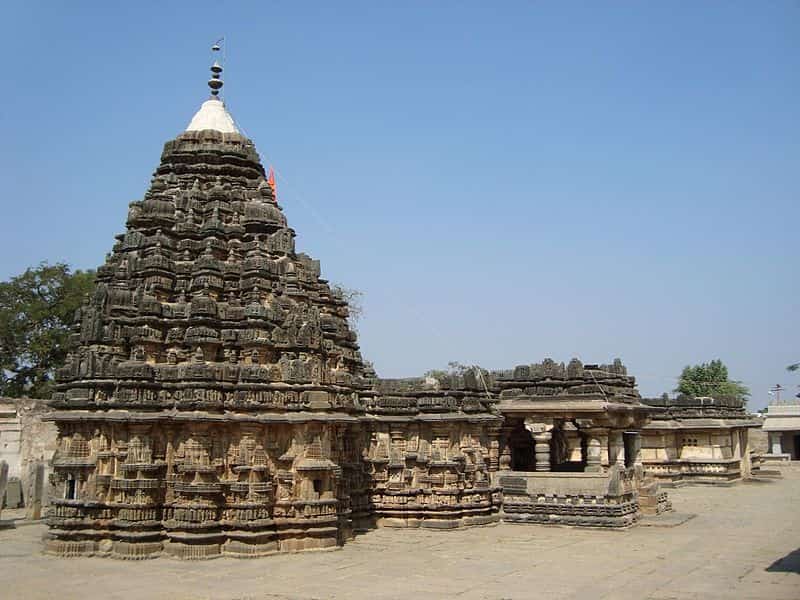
[788, 564]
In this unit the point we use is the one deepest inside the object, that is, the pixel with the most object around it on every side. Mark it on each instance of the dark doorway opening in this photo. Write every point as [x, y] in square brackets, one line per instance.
[522, 454]
[70, 492]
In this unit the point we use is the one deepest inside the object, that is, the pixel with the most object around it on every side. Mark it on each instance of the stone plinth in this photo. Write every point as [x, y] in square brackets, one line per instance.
[586, 499]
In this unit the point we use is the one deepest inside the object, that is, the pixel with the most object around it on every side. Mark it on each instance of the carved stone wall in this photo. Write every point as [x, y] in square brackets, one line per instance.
[197, 487]
[430, 454]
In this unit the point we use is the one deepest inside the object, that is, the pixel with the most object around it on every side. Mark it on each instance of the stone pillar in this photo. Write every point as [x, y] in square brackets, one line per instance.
[494, 449]
[602, 436]
[616, 448]
[541, 433]
[573, 441]
[3, 482]
[736, 440]
[775, 446]
[542, 450]
[636, 447]
[504, 461]
[593, 452]
[35, 510]
[744, 444]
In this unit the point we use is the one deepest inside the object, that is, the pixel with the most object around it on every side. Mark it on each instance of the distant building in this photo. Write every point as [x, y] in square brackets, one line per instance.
[782, 423]
[25, 441]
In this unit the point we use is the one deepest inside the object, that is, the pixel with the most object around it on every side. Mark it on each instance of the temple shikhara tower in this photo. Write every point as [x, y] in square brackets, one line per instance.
[211, 391]
[215, 400]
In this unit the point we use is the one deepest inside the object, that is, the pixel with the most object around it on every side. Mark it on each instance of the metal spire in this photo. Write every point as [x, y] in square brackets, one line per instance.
[215, 83]
[212, 114]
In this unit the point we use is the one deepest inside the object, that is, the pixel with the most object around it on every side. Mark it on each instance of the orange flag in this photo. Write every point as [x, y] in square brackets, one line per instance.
[271, 182]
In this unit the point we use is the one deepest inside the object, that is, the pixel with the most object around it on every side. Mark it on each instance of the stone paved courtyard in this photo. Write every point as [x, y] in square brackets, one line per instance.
[743, 543]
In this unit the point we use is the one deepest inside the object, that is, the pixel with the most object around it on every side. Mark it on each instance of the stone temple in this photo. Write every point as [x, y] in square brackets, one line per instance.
[215, 400]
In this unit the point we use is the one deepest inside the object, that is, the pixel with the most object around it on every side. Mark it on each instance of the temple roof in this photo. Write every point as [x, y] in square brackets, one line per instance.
[208, 258]
[213, 115]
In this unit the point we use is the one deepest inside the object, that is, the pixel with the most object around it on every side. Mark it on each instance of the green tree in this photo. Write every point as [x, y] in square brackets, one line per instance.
[36, 313]
[710, 379]
[454, 368]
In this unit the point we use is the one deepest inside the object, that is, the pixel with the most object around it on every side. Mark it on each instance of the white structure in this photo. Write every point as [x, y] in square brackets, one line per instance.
[11, 438]
[213, 115]
[26, 440]
[783, 426]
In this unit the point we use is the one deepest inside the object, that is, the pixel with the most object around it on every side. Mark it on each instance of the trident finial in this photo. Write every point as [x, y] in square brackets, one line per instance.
[215, 83]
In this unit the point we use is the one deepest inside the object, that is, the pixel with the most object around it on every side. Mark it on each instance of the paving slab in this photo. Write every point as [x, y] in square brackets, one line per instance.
[668, 519]
[744, 542]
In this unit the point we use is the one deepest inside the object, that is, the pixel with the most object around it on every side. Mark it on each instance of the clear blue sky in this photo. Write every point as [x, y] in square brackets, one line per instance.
[503, 181]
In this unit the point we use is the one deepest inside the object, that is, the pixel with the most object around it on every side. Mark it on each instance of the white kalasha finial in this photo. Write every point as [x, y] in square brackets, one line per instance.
[212, 114]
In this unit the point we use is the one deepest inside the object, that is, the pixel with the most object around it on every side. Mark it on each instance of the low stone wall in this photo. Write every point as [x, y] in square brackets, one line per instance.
[724, 470]
[586, 499]
[436, 509]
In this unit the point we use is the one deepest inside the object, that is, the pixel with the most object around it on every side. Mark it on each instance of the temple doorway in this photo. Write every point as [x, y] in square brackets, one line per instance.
[522, 451]
[70, 490]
